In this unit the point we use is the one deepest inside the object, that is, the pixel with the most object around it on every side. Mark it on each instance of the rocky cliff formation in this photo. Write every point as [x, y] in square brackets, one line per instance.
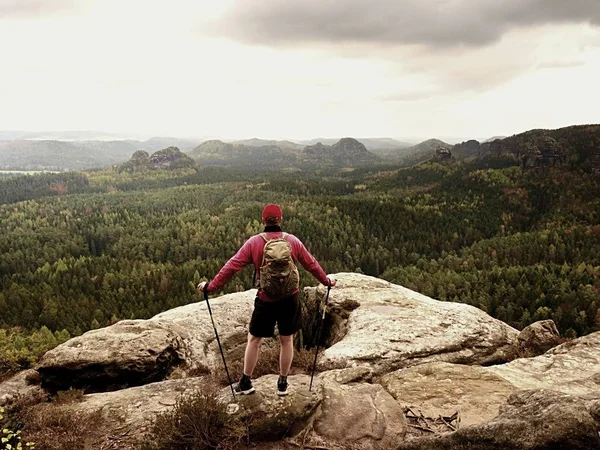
[168, 158]
[345, 152]
[399, 370]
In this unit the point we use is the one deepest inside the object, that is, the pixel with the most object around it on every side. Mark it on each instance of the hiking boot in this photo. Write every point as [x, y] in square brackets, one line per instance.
[244, 387]
[282, 386]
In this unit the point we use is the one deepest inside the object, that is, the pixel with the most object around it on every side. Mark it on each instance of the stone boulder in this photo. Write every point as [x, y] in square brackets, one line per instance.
[538, 338]
[136, 352]
[572, 368]
[477, 393]
[357, 415]
[530, 420]
[129, 353]
[387, 327]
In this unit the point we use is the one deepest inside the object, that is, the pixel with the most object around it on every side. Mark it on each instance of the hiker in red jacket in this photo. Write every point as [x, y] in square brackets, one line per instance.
[277, 299]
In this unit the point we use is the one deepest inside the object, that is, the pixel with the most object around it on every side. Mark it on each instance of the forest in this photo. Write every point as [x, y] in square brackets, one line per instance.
[82, 250]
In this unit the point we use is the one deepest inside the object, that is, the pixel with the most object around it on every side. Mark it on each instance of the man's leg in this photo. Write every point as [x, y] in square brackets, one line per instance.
[251, 355]
[286, 354]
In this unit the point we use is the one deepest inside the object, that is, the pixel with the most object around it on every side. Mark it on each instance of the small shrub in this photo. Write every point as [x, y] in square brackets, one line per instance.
[56, 428]
[70, 396]
[11, 439]
[197, 422]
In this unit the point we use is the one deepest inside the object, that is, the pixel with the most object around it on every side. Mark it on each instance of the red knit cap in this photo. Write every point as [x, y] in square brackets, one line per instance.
[272, 213]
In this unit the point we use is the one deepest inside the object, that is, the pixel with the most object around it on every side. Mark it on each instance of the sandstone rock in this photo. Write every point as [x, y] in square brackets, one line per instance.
[192, 324]
[23, 387]
[129, 353]
[538, 338]
[360, 416]
[572, 368]
[436, 389]
[130, 412]
[531, 420]
[395, 327]
[135, 352]
[266, 416]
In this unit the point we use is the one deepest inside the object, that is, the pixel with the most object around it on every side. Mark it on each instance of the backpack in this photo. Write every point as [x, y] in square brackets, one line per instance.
[278, 272]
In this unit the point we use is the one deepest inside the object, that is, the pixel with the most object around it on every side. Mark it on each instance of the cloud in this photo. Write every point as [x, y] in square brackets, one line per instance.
[35, 8]
[560, 64]
[438, 23]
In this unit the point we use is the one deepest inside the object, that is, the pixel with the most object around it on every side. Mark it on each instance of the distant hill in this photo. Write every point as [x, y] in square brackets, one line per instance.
[166, 159]
[78, 155]
[345, 152]
[421, 152]
[372, 144]
[255, 142]
[61, 155]
[576, 146]
[215, 152]
[493, 138]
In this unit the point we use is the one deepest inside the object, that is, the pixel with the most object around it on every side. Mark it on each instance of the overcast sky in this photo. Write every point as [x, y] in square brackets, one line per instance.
[299, 68]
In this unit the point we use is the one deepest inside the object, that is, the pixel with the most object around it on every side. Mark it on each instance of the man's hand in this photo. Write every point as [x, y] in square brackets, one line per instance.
[332, 281]
[201, 286]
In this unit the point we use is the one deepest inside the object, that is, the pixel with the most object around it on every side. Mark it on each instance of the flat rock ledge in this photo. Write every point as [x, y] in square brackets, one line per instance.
[390, 327]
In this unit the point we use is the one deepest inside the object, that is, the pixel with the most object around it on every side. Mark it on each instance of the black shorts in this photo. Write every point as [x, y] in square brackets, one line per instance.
[285, 312]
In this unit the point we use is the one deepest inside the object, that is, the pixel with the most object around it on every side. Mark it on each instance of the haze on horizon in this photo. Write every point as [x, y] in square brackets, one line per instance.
[299, 69]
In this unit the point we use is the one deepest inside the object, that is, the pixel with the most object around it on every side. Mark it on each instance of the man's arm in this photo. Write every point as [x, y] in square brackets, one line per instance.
[310, 263]
[236, 263]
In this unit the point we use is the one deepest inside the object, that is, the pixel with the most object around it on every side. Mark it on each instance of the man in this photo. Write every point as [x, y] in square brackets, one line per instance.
[270, 307]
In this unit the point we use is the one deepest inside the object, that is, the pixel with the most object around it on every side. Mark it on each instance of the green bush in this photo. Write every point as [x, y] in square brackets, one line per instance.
[20, 349]
[11, 440]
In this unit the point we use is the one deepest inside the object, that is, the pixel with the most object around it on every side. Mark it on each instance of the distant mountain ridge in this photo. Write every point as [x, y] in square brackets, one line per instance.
[578, 146]
[78, 155]
[345, 152]
[371, 144]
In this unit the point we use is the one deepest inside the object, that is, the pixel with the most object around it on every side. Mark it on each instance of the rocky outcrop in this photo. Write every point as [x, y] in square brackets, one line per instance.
[478, 392]
[135, 352]
[385, 349]
[129, 353]
[572, 368]
[375, 323]
[538, 338]
[530, 420]
[345, 152]
[394, 327]
[443, 389]
[443, 154]
[170, 158]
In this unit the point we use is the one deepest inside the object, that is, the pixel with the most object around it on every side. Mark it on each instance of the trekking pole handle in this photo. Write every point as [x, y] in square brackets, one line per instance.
[326, 300]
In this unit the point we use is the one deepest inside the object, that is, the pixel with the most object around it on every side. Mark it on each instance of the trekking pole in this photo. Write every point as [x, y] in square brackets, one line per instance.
[205, 291]
[319, 336]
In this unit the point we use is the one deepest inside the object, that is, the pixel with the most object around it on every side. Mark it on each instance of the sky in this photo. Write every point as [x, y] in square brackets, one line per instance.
[299, 69]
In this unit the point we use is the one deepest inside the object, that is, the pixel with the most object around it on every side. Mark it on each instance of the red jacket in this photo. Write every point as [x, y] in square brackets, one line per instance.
[252, 253]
